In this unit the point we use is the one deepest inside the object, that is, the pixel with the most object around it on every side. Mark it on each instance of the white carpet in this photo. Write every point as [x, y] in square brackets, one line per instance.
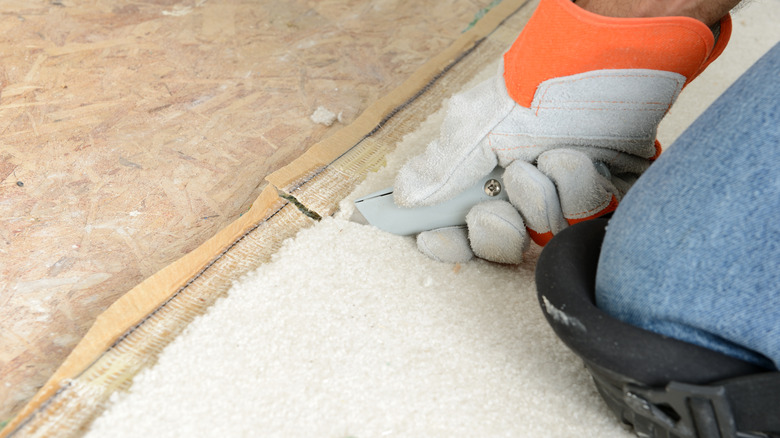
[350, 332]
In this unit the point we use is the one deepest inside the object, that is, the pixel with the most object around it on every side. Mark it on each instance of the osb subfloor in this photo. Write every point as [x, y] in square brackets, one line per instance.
[133, 130]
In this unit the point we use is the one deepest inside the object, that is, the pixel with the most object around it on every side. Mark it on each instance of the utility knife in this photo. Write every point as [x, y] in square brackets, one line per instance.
[379, 210]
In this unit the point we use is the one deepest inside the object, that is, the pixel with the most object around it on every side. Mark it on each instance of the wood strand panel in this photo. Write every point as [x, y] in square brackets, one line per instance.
[134, 130]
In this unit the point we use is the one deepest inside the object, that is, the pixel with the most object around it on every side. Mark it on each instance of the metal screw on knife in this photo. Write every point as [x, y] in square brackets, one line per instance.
[492, 187]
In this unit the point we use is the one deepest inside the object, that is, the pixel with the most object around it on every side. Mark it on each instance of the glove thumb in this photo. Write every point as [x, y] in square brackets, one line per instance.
[584, 192]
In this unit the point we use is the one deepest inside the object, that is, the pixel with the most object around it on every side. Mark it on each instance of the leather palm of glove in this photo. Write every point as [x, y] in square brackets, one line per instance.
[572, 117]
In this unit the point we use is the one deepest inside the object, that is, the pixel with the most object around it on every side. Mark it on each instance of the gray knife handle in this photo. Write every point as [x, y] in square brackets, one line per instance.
[379, 209]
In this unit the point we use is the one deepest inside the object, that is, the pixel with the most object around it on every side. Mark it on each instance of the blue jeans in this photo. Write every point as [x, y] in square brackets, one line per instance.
[693, 250]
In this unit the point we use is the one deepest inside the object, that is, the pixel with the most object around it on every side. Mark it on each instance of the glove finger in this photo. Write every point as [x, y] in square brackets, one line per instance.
[534, 195]
[497, 232]
[620, 183]
[448, 245]
[618, 162]
[623, 182]
[583, 192]
[457, 159]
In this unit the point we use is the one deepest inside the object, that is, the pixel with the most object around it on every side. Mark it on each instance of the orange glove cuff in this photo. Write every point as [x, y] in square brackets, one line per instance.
[562, 39]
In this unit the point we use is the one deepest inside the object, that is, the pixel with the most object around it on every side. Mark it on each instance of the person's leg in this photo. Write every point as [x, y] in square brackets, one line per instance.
[693, 250]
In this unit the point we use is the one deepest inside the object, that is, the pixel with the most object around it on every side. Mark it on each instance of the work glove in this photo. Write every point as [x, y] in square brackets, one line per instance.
[572, 117]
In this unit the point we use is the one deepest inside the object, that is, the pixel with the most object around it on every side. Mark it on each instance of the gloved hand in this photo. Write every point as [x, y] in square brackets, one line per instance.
[572, 117]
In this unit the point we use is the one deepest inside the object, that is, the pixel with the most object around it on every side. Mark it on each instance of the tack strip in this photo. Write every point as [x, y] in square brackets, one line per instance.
[131, 333]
